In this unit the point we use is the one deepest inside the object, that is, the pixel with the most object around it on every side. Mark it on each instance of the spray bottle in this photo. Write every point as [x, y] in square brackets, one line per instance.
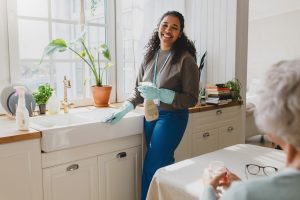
[151, 111]
[22, 114]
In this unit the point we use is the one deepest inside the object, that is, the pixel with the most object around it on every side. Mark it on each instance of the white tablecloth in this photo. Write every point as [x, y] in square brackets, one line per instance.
[182, 180]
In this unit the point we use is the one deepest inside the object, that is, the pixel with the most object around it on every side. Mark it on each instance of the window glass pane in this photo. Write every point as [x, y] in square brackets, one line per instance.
[98, 15]
[62, 22]
[33, 8]
[65, 9]
[33, 74]
[68, 32]
[96, 35]
[31, 46]
[74, 72]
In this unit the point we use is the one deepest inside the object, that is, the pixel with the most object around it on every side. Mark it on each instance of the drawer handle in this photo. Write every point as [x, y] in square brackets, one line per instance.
[230, 128]
[73, 167]
[206, 134]
[219, 112]
[121, 155]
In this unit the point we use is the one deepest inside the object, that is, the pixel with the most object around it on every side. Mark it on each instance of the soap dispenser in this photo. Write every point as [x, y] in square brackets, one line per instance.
[22, 114]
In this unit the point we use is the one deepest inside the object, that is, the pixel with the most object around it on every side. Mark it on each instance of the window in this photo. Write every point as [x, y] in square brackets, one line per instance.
[33, 23]
[125, 25]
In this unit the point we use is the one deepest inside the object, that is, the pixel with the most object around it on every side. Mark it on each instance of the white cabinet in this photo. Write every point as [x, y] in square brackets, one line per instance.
[102, 171]
[21, 171]
[229, 134]
[120, 174]
[204, 142]
[209, 131]
[76, 180]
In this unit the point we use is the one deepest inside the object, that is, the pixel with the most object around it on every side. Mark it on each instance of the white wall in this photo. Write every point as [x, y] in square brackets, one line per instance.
[272, 39]
[212, 25]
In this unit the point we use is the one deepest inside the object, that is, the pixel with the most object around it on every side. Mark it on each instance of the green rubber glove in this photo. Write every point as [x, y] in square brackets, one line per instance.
[120, 113]
[152, 92]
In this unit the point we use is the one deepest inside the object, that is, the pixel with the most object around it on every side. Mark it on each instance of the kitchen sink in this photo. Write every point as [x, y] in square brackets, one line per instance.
[69, 130]
[55, 121]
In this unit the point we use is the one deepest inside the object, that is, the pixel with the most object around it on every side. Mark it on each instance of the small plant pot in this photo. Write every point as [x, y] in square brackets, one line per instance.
[234, 95]
[202, 101]
[42, 108]
[101, 95]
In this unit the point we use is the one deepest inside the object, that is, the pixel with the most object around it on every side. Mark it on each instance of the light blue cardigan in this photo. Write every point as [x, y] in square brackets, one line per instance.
[283, 186]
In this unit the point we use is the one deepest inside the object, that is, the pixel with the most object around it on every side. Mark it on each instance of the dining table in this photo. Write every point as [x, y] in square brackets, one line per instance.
[183, 180]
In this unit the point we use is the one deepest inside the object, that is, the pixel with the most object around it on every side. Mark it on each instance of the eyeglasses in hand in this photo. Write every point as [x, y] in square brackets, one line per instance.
[255, 169]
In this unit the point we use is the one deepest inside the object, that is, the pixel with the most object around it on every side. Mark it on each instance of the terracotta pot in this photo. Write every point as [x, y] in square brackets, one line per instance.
[101, 95]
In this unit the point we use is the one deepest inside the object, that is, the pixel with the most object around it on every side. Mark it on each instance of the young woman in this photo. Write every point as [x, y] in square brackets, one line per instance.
[170, 64]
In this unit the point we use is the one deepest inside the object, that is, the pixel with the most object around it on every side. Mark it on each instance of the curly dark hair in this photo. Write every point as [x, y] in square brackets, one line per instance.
[181, 45]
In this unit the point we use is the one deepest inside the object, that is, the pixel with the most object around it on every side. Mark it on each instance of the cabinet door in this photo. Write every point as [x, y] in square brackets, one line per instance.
[204, 142]
[120, 175]
[77, 181]
[182, 152]
[229, 134]
[21, 171]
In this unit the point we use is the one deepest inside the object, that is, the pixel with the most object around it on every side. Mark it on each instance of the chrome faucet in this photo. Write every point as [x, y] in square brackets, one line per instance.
[66, 104]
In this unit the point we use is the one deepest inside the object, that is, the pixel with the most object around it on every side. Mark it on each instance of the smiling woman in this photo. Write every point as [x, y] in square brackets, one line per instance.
[169, 31]
[170, 66]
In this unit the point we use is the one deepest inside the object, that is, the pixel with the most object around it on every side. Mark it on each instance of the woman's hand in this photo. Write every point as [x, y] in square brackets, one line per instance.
[149, 92]
[152, 92]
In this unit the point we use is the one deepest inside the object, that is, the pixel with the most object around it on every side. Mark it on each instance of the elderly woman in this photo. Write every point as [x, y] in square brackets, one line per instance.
[278, 115]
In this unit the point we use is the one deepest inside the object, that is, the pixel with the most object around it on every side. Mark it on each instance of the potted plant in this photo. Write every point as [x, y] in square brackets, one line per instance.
[235, 88]
[42, 95]
[101, 93]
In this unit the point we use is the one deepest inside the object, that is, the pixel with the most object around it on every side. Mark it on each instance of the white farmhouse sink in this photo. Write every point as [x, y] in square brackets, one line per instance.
[75, 129]
[55, 121]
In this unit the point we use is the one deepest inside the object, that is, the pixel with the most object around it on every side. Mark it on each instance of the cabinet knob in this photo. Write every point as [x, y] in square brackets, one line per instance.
[230, 128]
[206, 134]
[73, 167]
[219, 112]
[121, 155]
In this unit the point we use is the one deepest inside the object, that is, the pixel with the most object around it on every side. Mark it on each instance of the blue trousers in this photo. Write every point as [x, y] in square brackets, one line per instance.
[162, 136]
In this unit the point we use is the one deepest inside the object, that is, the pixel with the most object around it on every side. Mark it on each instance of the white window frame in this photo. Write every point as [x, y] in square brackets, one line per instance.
[4, 56]
[14, 57]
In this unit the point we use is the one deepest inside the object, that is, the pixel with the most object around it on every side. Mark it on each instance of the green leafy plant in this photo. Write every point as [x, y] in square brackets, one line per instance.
[60, 45]
[43, 93]
[235, 88]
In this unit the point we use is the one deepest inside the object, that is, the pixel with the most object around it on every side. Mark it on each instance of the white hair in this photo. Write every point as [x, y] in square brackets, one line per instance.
[278, 107]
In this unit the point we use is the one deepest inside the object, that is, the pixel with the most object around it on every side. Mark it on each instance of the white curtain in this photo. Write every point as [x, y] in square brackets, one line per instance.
[136, 20]
[146, 17]
[211, 24]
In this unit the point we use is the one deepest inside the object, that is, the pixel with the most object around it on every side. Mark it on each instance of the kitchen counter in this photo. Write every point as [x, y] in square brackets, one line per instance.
[199, 108]
[9, 132]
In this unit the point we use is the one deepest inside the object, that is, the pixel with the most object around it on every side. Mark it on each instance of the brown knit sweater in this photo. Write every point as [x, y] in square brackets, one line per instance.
[182, 77]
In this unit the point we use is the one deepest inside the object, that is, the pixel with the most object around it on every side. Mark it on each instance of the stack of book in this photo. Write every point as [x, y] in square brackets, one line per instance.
[218, 94]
